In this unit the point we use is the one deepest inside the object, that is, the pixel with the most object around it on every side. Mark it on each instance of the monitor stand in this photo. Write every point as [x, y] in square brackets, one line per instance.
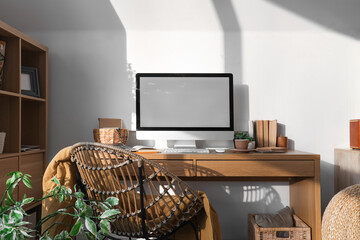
[185, 144]
[162, 144]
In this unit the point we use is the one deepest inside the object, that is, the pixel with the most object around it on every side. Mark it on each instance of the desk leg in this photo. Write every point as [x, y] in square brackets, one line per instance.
[305, 199]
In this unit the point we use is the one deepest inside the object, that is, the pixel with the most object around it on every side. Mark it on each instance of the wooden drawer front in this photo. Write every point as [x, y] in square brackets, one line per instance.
[258, 168]
[32, 164]
[181, 168]
[7, 165]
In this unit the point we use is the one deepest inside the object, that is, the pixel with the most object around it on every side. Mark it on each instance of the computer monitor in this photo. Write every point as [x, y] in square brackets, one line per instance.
[184, 106]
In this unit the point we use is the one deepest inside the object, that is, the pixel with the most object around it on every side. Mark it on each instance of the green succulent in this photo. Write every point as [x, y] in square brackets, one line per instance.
[243, 135]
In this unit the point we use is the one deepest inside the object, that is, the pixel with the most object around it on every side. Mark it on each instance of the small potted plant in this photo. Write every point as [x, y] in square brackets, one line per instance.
[242, 140]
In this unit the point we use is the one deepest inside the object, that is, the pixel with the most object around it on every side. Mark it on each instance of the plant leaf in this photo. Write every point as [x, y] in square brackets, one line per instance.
[26, 234]
[27, 200]
[45, 237]
[109, 213]
[56, 181]
[105, 206]
[80, 204]
[64, 235]
[16, 216]
[26, 180]
[10, 236]
[105, 226]
[90, 225]
[76, 228]
[88, 211]
[113, 201]
[89, 236]
[79, 194]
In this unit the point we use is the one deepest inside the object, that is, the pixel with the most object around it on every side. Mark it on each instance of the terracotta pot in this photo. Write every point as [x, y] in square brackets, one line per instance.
[241, 143]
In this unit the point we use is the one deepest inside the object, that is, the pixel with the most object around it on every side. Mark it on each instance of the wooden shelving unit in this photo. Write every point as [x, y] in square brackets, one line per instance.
[23, 118]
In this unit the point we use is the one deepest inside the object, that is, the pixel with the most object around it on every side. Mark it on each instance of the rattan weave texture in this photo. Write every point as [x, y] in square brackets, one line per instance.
[111, 171]
[341, 219]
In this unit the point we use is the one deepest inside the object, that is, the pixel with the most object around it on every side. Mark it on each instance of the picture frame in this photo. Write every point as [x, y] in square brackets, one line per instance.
[30, 81]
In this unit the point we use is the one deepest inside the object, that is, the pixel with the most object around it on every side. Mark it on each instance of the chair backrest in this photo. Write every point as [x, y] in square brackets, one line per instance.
[153, 201]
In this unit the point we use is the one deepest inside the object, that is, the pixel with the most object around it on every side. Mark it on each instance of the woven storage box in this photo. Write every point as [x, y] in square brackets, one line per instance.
[301, 231]
[111, 135]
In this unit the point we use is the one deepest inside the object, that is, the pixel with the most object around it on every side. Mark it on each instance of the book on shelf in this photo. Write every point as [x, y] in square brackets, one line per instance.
[25, 148]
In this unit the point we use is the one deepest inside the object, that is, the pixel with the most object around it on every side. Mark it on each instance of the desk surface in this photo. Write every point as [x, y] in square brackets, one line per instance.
[301, 169]
[291, 154]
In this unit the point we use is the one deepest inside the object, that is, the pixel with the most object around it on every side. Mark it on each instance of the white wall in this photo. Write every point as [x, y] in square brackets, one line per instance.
[294, 61]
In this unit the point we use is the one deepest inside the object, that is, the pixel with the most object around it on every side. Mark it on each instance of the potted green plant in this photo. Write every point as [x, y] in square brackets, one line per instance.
[88, 225]
[242, 139]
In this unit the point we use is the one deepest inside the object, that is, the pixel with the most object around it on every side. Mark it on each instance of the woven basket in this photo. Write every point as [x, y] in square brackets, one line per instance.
[111, 135]
[301, 231]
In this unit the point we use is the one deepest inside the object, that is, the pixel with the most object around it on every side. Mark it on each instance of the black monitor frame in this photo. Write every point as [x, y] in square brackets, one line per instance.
[231, 99]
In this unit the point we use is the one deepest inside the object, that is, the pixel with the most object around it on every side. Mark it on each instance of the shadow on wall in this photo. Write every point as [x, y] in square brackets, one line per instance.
[339, 16]
[233, 60]
[326, 174]
[64, 15]
[88, 63]
[281, 130]
[89, 75]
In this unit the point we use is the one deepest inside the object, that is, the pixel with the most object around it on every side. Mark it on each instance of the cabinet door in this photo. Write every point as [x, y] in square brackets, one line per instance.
[32, 164]
[7, 165]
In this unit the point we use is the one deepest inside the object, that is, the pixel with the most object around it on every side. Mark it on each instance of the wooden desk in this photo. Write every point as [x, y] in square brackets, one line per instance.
[301, 170]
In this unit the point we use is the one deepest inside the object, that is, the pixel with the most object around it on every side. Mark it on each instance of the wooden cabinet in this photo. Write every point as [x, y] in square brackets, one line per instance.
[23, 117]
[346, 168]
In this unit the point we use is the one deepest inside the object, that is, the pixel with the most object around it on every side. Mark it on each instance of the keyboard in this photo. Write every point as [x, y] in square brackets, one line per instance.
[185, 150]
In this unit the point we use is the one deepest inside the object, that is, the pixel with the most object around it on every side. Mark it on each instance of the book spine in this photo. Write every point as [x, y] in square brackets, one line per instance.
[261, 133]
[266, 133]
[272, 133]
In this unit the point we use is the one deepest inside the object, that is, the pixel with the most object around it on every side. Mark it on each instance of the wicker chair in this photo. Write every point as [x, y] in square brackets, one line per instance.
[154, 203]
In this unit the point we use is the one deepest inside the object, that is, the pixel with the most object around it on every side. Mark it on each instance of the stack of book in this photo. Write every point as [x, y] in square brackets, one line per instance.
[265, 132]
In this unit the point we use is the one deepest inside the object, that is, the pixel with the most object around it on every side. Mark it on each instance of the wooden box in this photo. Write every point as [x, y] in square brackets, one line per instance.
[301, 231]
[355, 133]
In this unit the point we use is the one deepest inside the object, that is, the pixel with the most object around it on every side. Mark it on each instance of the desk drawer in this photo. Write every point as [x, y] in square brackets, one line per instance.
[181, 168]
[258, 168]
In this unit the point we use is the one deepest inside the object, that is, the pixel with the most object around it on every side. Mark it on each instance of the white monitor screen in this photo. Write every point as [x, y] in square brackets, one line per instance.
[184, 101]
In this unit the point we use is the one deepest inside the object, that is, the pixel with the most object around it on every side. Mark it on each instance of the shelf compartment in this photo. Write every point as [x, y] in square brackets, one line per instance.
[7, 93]
[33, 123]
[11, 74]
[32, 98]
[9, 122]
[32, 56]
